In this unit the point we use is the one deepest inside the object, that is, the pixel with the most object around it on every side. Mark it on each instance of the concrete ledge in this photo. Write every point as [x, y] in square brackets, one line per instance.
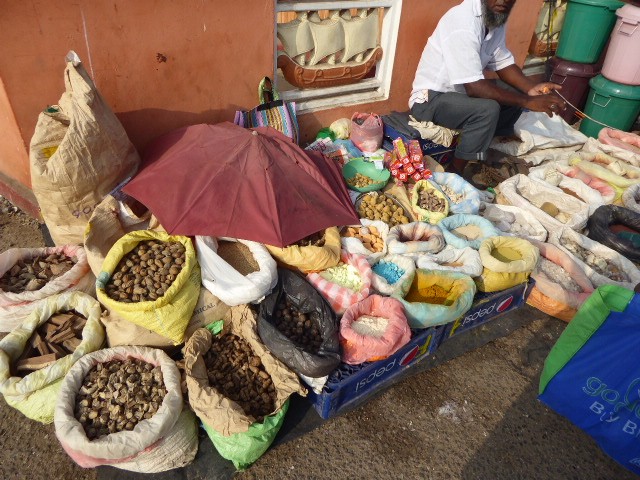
[21, 196]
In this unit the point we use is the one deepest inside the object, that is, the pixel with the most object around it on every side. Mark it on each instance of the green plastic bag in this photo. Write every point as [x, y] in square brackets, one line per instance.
[245, 448]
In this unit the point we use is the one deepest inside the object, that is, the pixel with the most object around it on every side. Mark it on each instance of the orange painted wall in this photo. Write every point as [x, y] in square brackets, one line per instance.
[216, 52]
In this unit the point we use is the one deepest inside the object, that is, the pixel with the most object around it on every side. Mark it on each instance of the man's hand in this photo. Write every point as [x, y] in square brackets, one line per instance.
[548, 104]
[544, 88]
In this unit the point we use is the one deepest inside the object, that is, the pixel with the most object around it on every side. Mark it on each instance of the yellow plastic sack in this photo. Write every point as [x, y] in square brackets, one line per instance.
[35, 394]
[426, 215]
[506, 261]
[169, 315]
[310, 259]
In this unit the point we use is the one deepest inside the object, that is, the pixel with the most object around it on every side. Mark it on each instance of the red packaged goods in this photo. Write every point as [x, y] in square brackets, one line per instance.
[395, 172]
[409, 169]
[396, 165]
[415, 152]
[403, 176]
[406, 161]
[400, 149]
[419, 166]
[417, 176]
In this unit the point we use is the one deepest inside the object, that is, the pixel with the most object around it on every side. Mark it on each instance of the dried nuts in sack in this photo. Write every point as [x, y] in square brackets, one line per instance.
[238, 374]
[313, 240]
[116, 395]
[381, 207]
[431, 202]
[146, 272]
[361, 181]
[369, 236]
[297, 326]
[33, 274]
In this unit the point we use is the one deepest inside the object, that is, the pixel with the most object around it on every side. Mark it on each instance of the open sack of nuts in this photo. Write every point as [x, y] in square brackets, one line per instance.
[316, 252]
[236, 386]
[31, 275]
[428, 202]
[123, 407]
[123, 332]
[35, 357]
[236, 271]
[373, 329]
[111, 220]
[346, 283]
[153, 280]
[367, 239]
[299, 327]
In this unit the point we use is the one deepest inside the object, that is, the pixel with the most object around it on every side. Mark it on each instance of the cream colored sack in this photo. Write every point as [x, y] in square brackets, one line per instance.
[78, 153]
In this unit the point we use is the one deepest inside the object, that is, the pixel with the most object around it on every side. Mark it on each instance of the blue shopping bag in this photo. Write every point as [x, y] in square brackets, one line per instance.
[592, 374]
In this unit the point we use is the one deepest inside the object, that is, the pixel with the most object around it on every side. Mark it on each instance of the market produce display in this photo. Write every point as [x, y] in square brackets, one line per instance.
[370, 237]
[382, 207]
[35, 273]
[297, 326]
[361, 181]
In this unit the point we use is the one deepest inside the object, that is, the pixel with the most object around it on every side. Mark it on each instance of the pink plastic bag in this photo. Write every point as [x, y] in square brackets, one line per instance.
[366, 131]
[358, 348]
[620, 139]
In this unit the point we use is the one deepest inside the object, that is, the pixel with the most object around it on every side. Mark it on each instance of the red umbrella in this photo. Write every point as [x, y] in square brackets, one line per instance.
[224, 180]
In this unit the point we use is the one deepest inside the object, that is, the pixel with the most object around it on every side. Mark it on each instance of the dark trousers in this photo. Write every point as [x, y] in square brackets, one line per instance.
[479, 120]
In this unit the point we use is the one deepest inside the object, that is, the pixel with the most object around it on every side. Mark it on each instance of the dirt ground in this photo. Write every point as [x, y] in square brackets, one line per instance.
[473, 417]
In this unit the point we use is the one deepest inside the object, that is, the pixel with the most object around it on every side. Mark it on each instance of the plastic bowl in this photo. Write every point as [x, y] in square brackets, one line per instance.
[368, 169]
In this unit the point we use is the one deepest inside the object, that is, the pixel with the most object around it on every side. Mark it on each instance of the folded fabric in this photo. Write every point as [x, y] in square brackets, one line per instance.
[436, 133]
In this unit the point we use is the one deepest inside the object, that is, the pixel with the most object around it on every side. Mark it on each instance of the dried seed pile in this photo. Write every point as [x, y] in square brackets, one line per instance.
[428, 200]
[238, 256]
[146, 272]
[28, 275]
[361, 181]
[557, 274]
[56, 338]
[599, 264]
[297, 326]
[116, 395]
[369, 236]
[239, 375]
[451, 194]
[313, 240]
[381, 207]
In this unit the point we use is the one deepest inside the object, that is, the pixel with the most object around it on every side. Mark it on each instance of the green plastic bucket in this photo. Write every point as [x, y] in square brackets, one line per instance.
[586, 29]
[614, 104]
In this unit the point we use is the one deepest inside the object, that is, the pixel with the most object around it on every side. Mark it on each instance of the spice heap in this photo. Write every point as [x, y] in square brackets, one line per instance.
[116, 395]
[370, 326]
[56, 338]
[369, 236]
[297, 326]
[238, 374]
[434, 294]
[146, 272]
[428, 200]
[599, 264]
[381, 207]
[389, 271]
[238, 255]
[557, 274]
[345, 275]
[360, 181]
[28, 275]
[313, 240]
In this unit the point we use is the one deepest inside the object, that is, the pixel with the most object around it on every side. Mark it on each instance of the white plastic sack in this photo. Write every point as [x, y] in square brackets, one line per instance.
[539, 156]
[612, 170]
[354, 245]
[524, 192]
[538, 130]
[594, 146]
[514, 221]
[229, 285]
[35, 394]
[402, 285]
[559, 238]
[631, 198]
[16, 307]
[553, 176]
[470, 202]
[454, 222]
[167, 440]
[414, 239]
[464, 260]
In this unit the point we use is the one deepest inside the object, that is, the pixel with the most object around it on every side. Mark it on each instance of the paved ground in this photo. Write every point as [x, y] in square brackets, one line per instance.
[473, 417]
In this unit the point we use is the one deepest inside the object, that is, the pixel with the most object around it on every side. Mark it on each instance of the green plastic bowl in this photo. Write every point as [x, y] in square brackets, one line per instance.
[368, 169]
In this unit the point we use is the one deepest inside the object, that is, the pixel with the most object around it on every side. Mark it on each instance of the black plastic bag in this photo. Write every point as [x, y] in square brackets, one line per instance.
[599, 229]
[309, 301]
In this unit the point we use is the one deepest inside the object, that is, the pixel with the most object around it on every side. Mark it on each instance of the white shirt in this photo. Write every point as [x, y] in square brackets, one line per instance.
[458, 52]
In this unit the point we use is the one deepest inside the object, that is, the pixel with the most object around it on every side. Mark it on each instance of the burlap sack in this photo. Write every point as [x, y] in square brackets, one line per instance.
[78, 153]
